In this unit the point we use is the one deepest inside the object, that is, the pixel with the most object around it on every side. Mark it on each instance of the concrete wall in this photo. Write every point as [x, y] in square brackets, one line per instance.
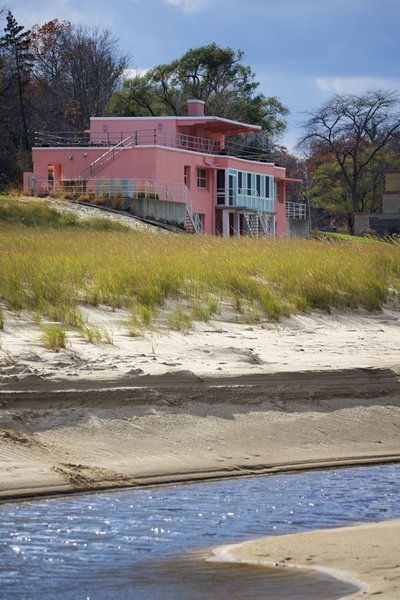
[391, 203]
[150, 208]
[297, 228]
[392, 182]
[361, 223]
[385, 223]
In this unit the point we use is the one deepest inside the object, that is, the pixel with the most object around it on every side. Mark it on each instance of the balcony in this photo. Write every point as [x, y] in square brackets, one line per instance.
[296, 210]
[152, 137]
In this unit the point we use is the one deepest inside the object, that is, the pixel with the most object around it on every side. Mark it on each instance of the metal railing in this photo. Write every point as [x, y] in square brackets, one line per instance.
[257, 219]
[296, 210]
[133, 188]
[153, 137]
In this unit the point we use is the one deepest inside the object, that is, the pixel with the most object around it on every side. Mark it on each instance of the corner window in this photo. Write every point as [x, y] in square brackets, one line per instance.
[201, 178]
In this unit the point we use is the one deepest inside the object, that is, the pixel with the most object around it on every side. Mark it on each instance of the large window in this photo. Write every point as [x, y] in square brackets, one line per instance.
[254, 184]
[201, 178]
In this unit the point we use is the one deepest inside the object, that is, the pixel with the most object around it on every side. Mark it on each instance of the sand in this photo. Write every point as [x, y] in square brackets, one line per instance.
[227, 399]
[366, 555]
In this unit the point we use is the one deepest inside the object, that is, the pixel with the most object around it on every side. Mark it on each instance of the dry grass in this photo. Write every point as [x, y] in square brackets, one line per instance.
[51, 271]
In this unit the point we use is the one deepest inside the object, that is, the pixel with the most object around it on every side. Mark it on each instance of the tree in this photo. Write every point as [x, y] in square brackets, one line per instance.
[77, 70]
[354, 132]
[210, 73]
[17, 65]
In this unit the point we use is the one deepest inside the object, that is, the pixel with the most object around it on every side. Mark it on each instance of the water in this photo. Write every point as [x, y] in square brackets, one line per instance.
[134, 544]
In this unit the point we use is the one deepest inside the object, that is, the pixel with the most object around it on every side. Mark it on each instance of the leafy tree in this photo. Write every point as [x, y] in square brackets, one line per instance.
[354, 133]
[210, 73]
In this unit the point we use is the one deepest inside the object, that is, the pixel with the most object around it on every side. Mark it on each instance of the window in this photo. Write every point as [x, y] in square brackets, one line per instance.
[249, 184]
[258, 185]
[201, 178]
[240, 182]
[186, 175]
[278, 196]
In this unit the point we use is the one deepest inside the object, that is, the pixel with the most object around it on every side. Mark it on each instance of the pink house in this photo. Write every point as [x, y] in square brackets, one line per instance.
[177, 169]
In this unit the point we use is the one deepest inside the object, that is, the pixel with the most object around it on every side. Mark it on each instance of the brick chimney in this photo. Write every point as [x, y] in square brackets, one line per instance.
[195, 108]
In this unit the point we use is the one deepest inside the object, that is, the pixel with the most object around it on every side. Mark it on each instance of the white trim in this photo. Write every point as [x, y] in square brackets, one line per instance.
[206, 119]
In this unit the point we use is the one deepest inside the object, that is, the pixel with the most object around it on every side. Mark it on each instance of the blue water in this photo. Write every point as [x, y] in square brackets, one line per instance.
[129, 544]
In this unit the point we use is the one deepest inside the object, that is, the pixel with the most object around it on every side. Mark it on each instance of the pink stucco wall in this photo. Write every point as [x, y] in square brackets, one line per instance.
[161, 164]
[157, 162]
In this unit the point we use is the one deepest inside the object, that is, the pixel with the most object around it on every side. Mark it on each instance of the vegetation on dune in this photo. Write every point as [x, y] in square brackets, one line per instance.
[52, 271]
[54, 337]
[33, 213]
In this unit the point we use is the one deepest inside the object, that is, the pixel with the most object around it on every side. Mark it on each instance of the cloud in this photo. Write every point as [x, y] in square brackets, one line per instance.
[355, 85]
[131, 73]
[190, 6]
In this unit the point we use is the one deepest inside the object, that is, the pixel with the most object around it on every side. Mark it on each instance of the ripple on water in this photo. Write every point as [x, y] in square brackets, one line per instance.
[125, 544]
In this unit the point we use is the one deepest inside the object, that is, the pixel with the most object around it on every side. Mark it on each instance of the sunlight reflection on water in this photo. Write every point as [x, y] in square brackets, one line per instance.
[131, 544]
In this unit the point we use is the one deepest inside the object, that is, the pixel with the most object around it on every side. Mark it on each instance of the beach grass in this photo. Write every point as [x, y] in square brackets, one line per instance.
[54, 337]
[53, 271]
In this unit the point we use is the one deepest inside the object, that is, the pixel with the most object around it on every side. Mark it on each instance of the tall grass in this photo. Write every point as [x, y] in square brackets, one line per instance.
[36, 213]
[53, 337]
[52, 271]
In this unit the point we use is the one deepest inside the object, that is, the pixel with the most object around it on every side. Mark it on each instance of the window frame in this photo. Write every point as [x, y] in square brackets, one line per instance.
[201, 178]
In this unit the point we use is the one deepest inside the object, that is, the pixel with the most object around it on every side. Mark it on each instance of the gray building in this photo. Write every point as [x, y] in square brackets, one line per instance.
[388, 221]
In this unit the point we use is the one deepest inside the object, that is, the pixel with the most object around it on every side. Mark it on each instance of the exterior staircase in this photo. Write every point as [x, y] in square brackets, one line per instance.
[108, 156]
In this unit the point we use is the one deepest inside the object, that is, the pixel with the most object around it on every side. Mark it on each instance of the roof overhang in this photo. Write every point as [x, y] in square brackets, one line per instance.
[218, 124]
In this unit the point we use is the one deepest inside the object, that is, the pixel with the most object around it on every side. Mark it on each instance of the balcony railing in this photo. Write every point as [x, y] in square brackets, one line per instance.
[296, 210]
[153, 137]
[134, 189]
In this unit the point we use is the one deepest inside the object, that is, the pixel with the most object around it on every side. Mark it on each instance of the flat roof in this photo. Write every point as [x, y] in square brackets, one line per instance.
[226, 124]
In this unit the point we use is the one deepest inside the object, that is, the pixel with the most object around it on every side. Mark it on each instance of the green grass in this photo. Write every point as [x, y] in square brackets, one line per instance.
[180, 320]
[54, 337]
[336, 236]
[37, 213]
[52, 271]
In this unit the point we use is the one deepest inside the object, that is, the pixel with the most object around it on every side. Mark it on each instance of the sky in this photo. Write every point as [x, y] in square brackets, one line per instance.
[302, 51]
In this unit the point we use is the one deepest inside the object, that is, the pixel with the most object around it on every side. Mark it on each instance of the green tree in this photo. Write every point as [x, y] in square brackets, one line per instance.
[331, 196]
[210, 73]
[17, 60]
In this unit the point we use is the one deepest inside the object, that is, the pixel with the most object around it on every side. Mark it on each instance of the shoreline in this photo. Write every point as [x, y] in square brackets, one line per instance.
[58, 438]
[364, 555]
[226, 400]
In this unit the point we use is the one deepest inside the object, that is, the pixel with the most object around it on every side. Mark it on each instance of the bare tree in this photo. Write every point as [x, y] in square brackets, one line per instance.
[77, 70]
[353, 130]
